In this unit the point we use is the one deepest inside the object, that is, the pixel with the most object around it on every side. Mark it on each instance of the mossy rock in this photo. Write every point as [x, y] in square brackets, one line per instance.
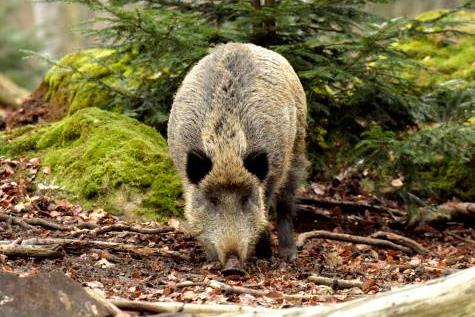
[446, 56]
[104, 159]
[89, 78]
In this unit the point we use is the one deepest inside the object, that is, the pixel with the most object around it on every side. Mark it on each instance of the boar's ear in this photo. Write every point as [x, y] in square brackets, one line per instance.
[198, 165]
[256, 163]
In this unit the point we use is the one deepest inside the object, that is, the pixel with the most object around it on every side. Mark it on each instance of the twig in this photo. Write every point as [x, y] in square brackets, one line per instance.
[349, 238]
[244, 290]
[17, 221]
[30, 250]
[46, 224]
[140, 250]
[186, 284]
[416, 247]
[123, 227]
[29, 223]
[175, 307]
[334, 282]
[349, 205]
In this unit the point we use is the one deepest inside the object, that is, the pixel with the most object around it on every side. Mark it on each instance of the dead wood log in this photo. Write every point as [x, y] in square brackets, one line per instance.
[334, 282]
[18, 250]
[446, 212]
[323, 234]
[10, 93]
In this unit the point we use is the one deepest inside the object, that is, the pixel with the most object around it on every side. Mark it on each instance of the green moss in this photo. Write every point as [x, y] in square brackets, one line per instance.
[105, 159]
[446, 56]
[451, 179]
[84, 79]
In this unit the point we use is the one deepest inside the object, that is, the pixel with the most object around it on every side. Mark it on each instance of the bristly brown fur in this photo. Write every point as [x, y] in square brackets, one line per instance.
[239, 100]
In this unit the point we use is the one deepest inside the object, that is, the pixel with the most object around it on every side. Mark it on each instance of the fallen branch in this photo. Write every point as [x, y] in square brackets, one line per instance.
[258, 293]
[349, 205]
[18, 250]
[470, 241]
[29, 223]
[416, 247]
[334, 282]
[75, 243]
[175, 307]
[17, 221]
[349, 238]
[124, 227]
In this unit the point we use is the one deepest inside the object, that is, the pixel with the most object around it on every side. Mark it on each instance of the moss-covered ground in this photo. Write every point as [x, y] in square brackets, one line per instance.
[103, 159]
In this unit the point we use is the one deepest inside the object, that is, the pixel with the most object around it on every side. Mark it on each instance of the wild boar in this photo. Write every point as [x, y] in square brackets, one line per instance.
[236, 134]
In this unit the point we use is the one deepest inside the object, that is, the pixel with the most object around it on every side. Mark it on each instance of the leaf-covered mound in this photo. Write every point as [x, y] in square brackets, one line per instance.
[105, 159]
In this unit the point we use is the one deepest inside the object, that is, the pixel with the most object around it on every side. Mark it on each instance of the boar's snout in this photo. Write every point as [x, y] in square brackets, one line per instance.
[233, 267]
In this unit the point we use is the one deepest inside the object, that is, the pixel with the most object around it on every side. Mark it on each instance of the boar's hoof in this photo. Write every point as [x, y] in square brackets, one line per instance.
[233, 267]
[288, 253]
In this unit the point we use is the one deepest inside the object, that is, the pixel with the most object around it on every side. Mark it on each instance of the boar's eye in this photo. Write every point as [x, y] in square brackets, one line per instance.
[213, 200]
[256, 163]
[245, 199]
[198, 165]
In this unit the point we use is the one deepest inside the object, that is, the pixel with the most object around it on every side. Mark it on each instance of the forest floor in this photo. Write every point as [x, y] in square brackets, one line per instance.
[152, 262]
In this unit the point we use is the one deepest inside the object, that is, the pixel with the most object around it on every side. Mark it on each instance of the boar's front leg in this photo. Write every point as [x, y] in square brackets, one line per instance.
[285, 211]
[263, 246]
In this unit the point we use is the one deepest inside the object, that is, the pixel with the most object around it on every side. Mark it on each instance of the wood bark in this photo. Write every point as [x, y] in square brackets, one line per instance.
[10, 93]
